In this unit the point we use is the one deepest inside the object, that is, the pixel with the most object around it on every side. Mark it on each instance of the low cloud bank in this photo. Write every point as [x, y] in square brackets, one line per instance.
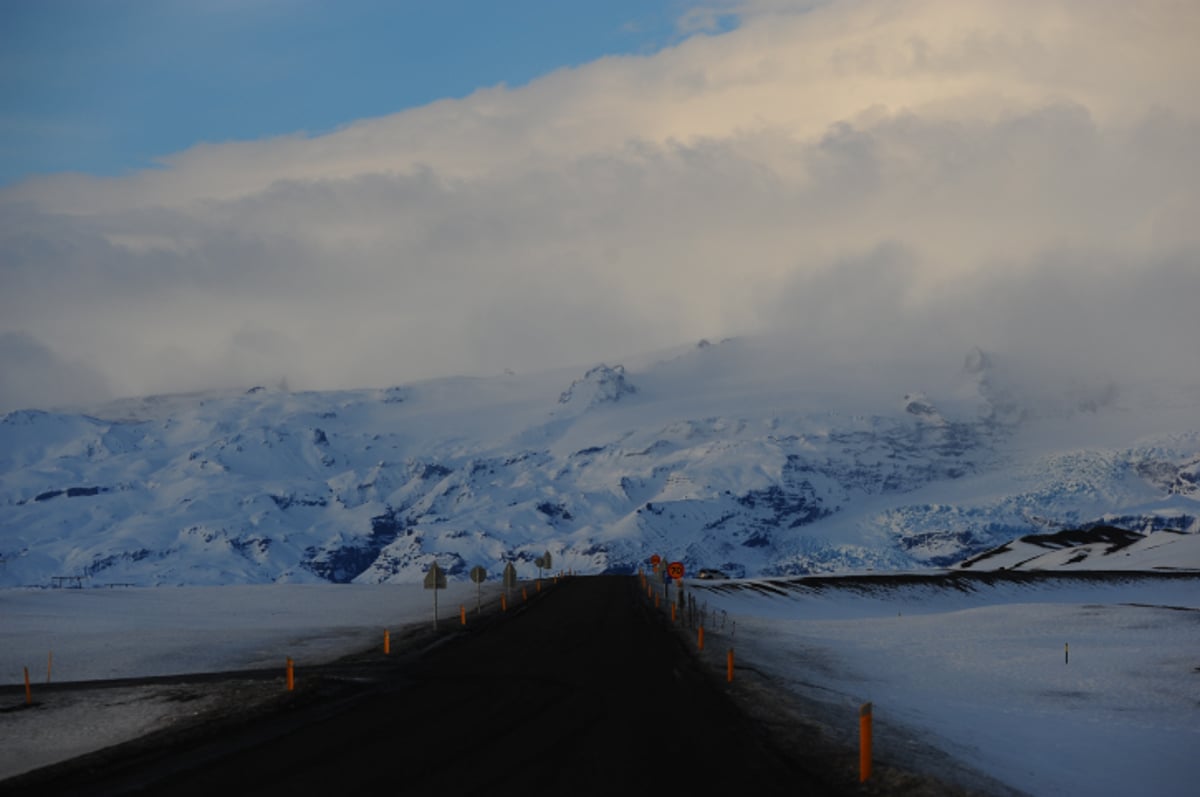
[882, 185]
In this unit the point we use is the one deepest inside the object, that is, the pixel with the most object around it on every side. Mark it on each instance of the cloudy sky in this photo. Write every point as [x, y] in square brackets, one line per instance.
[358, 194]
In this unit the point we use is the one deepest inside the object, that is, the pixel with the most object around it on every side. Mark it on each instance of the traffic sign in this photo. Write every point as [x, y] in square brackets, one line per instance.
[435, 579]
[675, 570]
[655, 560]
[478, 575]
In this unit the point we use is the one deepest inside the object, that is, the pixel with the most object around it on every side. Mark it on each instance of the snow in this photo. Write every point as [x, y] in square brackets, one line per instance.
[977, 673]
[985, 676]
[233, 512]
[733, 454]
[95, 634]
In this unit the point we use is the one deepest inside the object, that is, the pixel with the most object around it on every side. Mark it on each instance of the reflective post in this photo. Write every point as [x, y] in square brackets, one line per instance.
[864, 743]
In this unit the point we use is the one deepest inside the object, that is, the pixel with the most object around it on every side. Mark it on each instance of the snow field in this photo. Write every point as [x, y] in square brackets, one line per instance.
[990, 685]
[977, 674]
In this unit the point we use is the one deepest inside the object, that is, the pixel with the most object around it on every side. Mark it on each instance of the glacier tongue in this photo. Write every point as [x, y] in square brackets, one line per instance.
[696, 457]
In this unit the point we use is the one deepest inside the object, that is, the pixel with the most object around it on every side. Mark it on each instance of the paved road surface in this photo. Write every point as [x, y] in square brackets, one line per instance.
[583, 690]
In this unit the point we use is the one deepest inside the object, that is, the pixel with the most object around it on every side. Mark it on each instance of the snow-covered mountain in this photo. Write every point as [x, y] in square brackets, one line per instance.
[723, 456]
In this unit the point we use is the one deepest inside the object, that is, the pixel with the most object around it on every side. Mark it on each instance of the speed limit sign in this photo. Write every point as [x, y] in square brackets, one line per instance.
[675, 570]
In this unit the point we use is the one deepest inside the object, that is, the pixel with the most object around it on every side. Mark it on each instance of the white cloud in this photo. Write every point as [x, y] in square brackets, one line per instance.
[882, 177]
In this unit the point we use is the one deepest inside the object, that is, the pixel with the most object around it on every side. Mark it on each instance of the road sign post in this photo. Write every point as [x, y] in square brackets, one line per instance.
[435, 579]
[478, 575]
[543, 563]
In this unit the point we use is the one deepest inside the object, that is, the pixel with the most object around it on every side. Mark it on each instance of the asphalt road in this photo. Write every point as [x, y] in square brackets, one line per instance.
[581, 690]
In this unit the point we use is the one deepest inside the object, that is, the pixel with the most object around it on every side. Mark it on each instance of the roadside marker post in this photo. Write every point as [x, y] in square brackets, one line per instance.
[387, 642]
[864, 743]
[291, 675]
[28, 691]
[700, 638]
[729, 667]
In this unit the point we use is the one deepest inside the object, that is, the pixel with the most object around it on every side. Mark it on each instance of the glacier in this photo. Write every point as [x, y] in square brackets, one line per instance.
[725, 456]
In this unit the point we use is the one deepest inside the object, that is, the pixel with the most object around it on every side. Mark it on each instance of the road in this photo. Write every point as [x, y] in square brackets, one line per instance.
[581, 690]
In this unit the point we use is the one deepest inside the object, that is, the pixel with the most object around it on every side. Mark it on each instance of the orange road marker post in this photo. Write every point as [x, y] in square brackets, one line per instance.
[462, 614]
[729, 667]
[672, 612]
[291, 674]
[864, 743]
[503, 603]
[28, 691]
[700, 638]
[387, 642]
[524, 594]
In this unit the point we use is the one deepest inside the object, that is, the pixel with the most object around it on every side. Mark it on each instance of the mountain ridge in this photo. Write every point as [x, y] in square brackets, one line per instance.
[703, 455]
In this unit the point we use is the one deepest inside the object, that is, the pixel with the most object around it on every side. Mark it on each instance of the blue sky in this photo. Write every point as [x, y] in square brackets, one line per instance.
[366, 193]
[105, 86]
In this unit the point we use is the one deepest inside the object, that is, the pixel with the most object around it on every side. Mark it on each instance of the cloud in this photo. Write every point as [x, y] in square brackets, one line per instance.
[880, 181]
[31, 375]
